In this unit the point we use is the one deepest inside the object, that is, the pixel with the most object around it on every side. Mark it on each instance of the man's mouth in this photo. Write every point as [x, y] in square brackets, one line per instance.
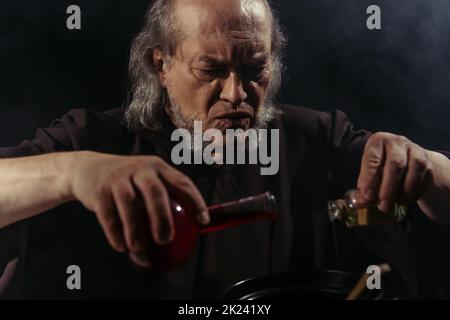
[237, 115]
[233, 123]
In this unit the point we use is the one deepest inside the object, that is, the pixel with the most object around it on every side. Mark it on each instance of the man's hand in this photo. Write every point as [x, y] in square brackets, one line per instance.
[130, 196]
[394, 169]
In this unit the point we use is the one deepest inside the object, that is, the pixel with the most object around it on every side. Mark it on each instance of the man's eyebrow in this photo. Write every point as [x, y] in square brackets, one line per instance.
[261, 58]
[210, 60]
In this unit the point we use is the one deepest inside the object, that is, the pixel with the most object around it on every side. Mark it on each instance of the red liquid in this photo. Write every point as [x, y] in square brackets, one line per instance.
[187, 229]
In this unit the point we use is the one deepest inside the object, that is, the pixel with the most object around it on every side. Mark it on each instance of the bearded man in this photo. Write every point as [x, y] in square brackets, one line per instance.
[218, 62]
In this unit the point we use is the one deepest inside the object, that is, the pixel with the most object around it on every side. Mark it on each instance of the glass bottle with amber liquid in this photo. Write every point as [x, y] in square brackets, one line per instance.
[187, 230]
[354, 211]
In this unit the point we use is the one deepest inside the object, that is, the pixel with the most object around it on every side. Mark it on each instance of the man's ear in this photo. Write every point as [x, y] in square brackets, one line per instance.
[158, 63]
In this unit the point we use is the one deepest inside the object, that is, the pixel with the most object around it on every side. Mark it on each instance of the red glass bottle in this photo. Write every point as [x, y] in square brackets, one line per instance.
[187, 230]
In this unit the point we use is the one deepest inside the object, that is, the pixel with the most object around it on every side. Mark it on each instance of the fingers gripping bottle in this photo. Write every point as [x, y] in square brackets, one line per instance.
[187, 230]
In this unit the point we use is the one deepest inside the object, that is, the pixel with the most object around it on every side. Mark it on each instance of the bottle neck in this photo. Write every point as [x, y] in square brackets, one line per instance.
[243, 211]
[336, 209]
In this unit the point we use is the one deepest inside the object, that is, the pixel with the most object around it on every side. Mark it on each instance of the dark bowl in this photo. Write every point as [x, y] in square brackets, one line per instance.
[308, 284]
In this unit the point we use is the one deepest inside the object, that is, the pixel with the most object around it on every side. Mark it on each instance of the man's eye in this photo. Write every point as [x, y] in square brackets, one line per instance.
[255, 72]
[209, 74]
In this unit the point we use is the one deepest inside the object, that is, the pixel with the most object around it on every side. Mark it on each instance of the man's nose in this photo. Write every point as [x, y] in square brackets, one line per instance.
[233, 90]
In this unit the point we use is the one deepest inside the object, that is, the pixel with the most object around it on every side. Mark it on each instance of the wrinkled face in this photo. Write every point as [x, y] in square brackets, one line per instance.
[220, 72]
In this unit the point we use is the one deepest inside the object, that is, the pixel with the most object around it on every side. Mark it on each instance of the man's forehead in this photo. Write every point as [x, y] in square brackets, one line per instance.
[231, 29]
[236, 53]
[237, 19]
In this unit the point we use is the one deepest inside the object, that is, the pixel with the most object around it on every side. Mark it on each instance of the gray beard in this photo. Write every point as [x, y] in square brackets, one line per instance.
[180, 120]
[262, 120]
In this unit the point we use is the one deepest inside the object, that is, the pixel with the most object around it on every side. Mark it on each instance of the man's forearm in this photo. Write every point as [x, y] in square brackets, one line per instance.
[31, 185]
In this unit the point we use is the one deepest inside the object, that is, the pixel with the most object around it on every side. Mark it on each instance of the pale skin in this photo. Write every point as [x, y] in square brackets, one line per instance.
[219, 74]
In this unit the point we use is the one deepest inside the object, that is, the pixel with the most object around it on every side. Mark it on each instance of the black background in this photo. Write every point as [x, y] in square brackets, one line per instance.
[394, 79]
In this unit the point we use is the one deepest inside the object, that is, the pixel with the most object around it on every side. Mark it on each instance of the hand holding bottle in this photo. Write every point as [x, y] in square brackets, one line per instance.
[187, 231]
[130, 197]
[396, 170]
[393, 170]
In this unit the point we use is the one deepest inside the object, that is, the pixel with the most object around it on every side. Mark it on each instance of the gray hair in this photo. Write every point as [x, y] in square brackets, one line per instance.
[148, 97]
